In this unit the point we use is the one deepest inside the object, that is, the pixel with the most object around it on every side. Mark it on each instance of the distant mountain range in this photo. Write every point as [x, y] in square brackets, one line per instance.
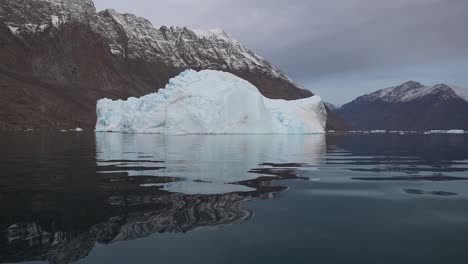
[60, 56]
[410, 106]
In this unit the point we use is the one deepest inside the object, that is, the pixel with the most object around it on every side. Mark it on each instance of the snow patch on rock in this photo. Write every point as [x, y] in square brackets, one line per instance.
[210, 102]
[218, 33]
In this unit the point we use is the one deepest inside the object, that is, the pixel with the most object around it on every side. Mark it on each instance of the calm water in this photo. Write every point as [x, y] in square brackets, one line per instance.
[115, 198]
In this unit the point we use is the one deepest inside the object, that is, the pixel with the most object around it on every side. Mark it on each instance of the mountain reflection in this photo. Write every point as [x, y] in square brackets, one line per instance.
[59, 237]
[62, 194]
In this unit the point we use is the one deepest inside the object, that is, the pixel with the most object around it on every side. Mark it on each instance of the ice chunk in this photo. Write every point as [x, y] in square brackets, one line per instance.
[78, 129]
[210, 102]
[378, 131]
[452, 131]
[456, 131]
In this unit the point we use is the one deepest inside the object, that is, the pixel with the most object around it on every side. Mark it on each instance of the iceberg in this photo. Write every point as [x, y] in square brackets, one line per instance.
[210, 102]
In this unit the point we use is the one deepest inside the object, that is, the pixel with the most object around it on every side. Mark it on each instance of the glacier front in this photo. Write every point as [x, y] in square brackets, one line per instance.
[210, 102]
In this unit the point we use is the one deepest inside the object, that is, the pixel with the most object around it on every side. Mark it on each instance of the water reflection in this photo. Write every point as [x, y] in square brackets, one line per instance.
[415, 165]
[60, 194]
[60, 200]
[208, 163]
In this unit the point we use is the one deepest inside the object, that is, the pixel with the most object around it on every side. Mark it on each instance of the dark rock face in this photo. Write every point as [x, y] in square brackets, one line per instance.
[60, 57]
[53, 78]
[410, 106]
[335, 122]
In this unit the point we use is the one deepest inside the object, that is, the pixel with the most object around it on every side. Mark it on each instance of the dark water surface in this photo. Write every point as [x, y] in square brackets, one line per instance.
[116, 198]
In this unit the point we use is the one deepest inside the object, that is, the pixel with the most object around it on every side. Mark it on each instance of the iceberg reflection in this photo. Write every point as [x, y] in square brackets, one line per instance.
[208, 163]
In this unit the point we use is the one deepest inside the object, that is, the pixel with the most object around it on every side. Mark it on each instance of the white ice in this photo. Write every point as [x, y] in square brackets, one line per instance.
[210, 102]
[452, 131]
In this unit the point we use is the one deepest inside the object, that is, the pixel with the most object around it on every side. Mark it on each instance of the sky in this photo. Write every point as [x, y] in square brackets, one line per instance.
[339, 49]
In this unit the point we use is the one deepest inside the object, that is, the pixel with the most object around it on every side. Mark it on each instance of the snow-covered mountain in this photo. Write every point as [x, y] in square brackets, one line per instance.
[61, 56]
[35, 12]
[135, 37]
[409, 106]
[166, 213]
[132, 37]
[410, 91]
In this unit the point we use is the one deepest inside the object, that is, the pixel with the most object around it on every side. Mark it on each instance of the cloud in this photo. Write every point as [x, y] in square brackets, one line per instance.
[321, 40]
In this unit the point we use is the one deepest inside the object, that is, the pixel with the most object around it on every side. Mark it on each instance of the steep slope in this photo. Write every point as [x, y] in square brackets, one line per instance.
[135, 38]
[87, 55]
[410, 106]
[334, 121]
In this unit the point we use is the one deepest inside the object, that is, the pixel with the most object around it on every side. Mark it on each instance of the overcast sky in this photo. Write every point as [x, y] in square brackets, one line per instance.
[339, 49]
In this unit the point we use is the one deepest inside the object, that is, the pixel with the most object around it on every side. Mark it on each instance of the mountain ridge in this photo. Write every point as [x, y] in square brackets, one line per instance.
[409, 106]
[88, 55]
[409, 91]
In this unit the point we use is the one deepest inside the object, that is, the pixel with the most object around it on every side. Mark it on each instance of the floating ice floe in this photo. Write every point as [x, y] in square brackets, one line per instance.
[452, 131]
[378, 131]
[210, 102]
[78, 129]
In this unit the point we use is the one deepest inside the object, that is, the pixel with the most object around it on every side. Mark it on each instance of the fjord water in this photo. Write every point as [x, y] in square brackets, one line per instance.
[122, 198]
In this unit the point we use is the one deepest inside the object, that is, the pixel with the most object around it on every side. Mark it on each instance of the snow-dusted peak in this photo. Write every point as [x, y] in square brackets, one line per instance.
[218, 33]
[199, 34]
[410, 91]
[127, 20]
[412, 84]
[24, 18]
[37, 11]
[200, 48]
[442, 87]
[402, 92]
[135, 38]
[77, 6]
